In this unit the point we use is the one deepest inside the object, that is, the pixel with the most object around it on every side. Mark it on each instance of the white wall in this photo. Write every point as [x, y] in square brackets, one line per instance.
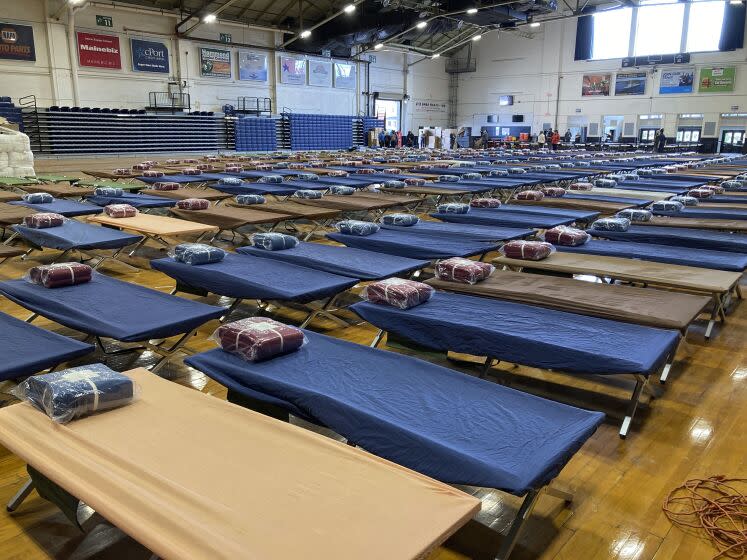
[51, 81]
[546, 83]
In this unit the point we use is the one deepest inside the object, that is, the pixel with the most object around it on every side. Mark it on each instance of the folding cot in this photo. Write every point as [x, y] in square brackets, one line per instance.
[155, 228]
[72, 236]
[442, 423]
[345, 261]
[435, 190]
[6, 196]
[351, 204]
[117, 310]
[259, 477]
[99, 184]
[278, 190]
[51, 178]
[179, 178]
[719, 284]
[109, 176]
[12, 214]
[490, 217]
[183, 193]
[135, 200]
[463, 232]
[652, 196]
[59, 191]
[686, 256]
[242, 276]
[669, 188]
[7, 252]
[68, 208]
[318, 216]
[653, 308]
[592, 204]
[27, 349]
[720, 213]
[531, 336]
[228, 218]
[17, 181]
[678, 236]
[415, 246]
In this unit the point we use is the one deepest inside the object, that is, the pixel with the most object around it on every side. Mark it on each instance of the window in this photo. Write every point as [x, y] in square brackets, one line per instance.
[705, 18]
[612, 33]
[659, 28]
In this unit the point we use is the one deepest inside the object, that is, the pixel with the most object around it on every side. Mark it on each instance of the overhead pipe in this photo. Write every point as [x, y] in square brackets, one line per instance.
[316, 25]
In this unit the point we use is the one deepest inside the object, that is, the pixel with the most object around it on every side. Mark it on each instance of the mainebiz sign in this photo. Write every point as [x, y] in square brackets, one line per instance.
[99, 51]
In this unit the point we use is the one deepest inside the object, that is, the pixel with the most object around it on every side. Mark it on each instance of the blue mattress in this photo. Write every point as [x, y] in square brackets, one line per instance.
[727, 198]
[442, 423]
[345, 261]
[27, 349]
[68, 208]
[579, 195]
[583, 215]
[706, 213]
[525, 334]
[414, 246]
[248, 277]
[645, 186]
[77, 235]
[489, 217]
[686, 256]
[111, 308]
[178, 178]
[309, 185]
[464, 232]
[256, 188]
[136, 200]
[679, 237]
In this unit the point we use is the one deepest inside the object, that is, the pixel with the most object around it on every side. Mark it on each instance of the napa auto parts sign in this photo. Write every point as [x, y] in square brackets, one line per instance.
[99, 51]
[17, 42]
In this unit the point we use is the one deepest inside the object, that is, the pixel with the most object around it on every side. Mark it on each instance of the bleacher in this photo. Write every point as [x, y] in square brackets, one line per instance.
[321, 132]
[256, 134]
[10, 112]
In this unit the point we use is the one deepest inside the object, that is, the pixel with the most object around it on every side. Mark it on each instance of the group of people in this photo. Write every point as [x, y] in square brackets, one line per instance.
[660, 140]
[551, 137]
[394, 139]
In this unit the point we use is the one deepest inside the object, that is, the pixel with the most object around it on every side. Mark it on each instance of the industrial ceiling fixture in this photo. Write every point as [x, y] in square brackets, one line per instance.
[305, 34]
[472, 11]
[349, 9]
[209, 18]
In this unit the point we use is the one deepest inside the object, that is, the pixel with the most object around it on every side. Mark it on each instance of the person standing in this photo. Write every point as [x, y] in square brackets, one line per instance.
[541, 139]
[661, 141]
[568, 136]
[555, 140]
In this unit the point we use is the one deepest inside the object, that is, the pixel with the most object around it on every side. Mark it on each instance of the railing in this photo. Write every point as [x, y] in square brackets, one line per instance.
[254, 105]
[165, 101]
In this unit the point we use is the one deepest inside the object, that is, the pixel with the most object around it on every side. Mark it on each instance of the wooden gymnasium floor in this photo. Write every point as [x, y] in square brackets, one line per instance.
[695, 429]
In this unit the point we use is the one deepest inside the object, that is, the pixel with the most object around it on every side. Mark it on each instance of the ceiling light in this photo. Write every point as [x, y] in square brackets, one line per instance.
[477, 37]
[210, 18]
[436, 55]
[421, 24]
[76, 1]
[349, 9]
[735, 2]
[305, 33]
[474, 10]
[379, 46]
[534, 24]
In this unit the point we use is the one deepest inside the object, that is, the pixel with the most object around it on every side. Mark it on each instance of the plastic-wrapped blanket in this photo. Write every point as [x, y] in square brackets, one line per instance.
[398, 292]
[398, 184]
[308, 194]
[193, 204]
[60, 274]
[400, 219]
[553, 192]
[274, 241]
[411, 181]
[453, 208]
[76, 392]
[611, 224]
[38, 198]
[120, 211]
[485, 203]
[464, 271]
[108, 192]
[339, 189]
[679, 237]
[448, 178]
[198, 254]
[605, 183]
[635, 215]
[685, 200]
[564, 235]
[669, 206]
[700, 193]
[44, 220]
[529, 195]
[249, 199]
[527, 250]
[275, 179]
[356, 227]
[582, 186]
[258, 338]
[166, 186]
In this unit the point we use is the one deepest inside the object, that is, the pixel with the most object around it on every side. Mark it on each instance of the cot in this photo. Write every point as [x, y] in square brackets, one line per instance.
[722, 213]
[12, 214]
[686, 256]
[113, 309]
[601, 206]
[247, 277]
[437, 421]
[619, 192]
[135, 200]
[73, 236]
[51, 178]
[319, 217]
[7, 252]
[180, 178]
[531, 336]
[183, 193]
[719, 284]
[464, 232]
[17, 181]
[96, 184]
[415, 246]
[155, 228]
[678, 237]
[27, 349]
[259, 478]
[68, 208]
[489, 217]
[667, 188]
[59, 191]
[345, 261]
[108, 175]
[255, 188]
[6, 196]
[653, 308]
[232, 219]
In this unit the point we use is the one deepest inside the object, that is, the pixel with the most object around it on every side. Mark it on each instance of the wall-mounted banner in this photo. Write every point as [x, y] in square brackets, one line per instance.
[631, 83]
[149, 56]
[17, 42]
[717, 79]
[215, 63]
[677, 81]
[320, 73]
[292, 70]
[252, 66]
[596, 84]
[655, 60]
[425, 106]
[99, 51]
[345, 75]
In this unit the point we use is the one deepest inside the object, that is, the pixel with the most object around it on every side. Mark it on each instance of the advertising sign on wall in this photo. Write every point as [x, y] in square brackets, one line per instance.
[716, 80]
[17, 42]
[252, 66]
[149, 56]
[425, 106]
[345, 75]
[292, 70]
[99, 51]
[631, 83]
[215, 63]
[320, 73]
[596, 84]
[677, 81]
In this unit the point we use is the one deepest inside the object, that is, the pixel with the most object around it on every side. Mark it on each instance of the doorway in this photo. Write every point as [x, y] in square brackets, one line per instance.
[731, 141]
[612, 128]
[390, 110]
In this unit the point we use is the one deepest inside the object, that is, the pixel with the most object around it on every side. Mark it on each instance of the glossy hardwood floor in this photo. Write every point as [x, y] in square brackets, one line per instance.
[694, 428]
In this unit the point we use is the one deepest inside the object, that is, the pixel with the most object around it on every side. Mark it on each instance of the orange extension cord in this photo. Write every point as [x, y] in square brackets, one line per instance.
[715, 506]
